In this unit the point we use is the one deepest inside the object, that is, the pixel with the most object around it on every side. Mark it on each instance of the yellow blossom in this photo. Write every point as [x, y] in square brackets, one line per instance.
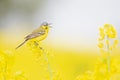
[102, 35]
[108, 26]
[35, 48]
[110, 31]
[105, 68]
[116, 42]
[100, 45]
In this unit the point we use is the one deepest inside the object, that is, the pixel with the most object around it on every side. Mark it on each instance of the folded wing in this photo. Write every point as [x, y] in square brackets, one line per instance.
[34, 35]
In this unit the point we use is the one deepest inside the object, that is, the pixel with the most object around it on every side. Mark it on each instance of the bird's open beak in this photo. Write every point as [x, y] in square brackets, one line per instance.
[50, 25]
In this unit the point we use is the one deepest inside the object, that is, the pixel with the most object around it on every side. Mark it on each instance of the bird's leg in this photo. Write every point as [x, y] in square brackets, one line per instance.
[41, 48]
[35, 43]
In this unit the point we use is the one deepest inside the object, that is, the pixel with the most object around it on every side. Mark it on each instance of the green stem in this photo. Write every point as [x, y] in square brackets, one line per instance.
[108, 60]
[46, 58]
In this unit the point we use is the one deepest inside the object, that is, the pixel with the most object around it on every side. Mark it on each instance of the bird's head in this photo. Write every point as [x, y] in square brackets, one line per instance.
[45, 25]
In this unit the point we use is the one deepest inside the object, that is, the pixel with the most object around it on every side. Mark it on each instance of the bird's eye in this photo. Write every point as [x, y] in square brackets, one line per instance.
[46, 27]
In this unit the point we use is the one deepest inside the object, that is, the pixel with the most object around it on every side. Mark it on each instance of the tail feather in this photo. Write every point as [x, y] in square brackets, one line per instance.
[21, 44]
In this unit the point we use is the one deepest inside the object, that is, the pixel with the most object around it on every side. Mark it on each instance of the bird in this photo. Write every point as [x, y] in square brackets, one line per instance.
[38, 34]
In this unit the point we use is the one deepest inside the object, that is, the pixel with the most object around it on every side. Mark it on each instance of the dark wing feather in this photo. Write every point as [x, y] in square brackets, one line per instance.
[33, 35]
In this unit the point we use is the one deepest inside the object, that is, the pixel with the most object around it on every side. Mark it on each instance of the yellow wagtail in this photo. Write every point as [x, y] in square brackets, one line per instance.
[38, 34]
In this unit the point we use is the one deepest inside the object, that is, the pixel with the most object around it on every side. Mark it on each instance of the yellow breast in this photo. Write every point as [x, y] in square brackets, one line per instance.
[40, 38]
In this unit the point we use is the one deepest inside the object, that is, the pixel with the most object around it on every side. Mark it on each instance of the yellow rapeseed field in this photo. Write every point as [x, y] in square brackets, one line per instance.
[39, 61]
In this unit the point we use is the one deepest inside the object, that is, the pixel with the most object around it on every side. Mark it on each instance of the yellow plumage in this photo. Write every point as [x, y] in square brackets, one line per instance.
[38, 34]
[41, 37]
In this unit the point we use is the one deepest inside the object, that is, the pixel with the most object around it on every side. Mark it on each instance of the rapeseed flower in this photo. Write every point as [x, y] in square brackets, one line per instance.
[6, 64]
[106, 67]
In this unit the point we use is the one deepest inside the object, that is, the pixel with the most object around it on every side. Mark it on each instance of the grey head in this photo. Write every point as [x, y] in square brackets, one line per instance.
[45, 24]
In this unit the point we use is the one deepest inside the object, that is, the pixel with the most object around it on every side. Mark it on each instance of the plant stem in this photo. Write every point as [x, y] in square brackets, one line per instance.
[108, 60]
[46, 58]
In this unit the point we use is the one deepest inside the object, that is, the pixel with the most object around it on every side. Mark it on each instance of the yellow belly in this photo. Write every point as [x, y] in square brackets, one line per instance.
[40, 38]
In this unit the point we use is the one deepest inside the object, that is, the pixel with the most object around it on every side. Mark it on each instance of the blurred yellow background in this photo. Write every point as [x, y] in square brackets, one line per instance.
[71, 45]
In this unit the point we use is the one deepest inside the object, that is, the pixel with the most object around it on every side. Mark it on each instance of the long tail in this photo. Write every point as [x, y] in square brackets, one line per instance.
[21, 44]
